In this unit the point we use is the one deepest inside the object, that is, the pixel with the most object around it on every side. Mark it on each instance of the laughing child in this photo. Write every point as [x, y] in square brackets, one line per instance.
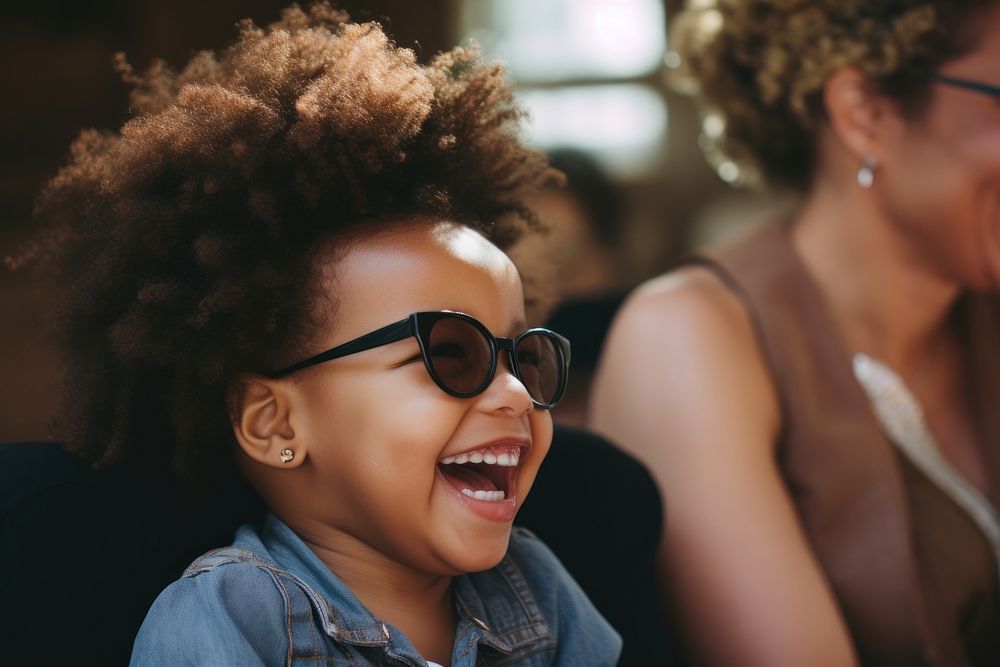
[288, 263]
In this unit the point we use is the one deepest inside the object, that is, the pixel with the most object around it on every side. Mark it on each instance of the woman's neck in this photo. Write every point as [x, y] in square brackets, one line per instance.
[886, 297]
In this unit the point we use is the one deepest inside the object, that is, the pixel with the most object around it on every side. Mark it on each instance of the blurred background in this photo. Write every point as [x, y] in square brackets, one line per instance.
[590, 72]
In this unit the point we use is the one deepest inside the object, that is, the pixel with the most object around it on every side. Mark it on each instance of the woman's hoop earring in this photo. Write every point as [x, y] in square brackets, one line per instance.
[866, 175]
[287, 455]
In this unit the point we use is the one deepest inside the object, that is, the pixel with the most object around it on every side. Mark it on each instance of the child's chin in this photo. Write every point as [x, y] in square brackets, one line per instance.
[483, 556]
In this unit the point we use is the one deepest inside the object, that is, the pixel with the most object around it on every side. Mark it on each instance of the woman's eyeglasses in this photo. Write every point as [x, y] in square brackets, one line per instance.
[977, 86]
[461, 355]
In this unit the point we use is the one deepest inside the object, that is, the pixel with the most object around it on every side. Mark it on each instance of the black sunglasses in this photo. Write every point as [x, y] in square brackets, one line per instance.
[977, 86]
[461, 355]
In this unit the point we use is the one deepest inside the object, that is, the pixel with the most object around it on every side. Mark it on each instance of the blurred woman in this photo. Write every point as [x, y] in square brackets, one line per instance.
[815, 398]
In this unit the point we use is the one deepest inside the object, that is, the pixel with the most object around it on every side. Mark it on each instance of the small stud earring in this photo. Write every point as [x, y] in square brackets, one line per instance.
[866, 175]
[287, 455]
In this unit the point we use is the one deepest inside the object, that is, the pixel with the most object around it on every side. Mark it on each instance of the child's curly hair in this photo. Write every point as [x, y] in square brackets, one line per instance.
[187, 237]
[761, 65]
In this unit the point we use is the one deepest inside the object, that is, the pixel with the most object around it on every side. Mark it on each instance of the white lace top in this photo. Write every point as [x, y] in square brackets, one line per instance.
[902, 419]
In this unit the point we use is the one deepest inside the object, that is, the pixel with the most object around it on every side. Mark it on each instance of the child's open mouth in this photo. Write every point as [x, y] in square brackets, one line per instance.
[486, 474]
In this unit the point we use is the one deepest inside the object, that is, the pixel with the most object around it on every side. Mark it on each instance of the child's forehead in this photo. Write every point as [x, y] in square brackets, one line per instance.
[432, 266]
[466, 244]
[420, 245]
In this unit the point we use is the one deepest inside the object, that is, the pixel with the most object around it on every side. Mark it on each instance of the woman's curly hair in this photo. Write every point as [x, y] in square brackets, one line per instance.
[759, 66]
[187, 238]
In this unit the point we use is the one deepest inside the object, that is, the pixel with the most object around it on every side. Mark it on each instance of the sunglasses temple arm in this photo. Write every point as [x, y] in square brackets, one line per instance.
[388, 334]
[968, 85]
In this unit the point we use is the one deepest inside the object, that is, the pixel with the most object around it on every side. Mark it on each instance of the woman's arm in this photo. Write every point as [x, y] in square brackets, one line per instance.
[682, 386]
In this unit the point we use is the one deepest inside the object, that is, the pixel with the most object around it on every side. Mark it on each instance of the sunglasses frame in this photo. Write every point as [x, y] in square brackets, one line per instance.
[419, 325]
[967, 84]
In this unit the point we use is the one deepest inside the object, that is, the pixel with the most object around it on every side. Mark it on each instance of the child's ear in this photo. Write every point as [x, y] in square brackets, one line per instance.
[260, 410]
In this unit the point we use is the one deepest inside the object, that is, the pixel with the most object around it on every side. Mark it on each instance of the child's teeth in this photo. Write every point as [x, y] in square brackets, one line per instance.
[492, 496]
[505, 458]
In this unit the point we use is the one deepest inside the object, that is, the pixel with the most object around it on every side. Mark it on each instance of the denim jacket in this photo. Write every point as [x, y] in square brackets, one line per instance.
[269, 600]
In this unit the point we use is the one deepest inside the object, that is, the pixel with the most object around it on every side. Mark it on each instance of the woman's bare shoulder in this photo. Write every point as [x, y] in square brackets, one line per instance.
[682, 354]
[689, 319]
[692, 292]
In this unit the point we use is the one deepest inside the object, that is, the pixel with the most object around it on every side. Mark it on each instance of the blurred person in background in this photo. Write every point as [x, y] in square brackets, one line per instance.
[576, 264]
[815, 398]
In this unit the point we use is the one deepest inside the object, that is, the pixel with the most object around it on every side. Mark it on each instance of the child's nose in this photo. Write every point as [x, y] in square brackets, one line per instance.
[506, 391]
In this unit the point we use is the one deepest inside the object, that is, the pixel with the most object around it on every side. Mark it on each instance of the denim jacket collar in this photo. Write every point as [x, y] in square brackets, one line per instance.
[511, 621]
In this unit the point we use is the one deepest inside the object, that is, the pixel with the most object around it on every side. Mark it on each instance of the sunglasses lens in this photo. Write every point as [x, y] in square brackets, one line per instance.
[540, 366]
[459, 354]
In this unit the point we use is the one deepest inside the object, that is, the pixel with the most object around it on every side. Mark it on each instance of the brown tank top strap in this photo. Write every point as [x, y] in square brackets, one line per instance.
[840, 469]
[981, 321]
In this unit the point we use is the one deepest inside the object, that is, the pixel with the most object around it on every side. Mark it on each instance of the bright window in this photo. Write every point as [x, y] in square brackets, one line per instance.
[557, 40]
[582, 68]
[624, 125]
